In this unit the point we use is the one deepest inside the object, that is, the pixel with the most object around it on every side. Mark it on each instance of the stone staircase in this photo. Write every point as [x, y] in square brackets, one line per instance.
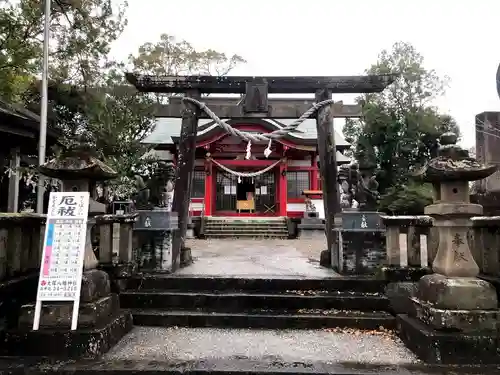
[248, 227]
[277, 303]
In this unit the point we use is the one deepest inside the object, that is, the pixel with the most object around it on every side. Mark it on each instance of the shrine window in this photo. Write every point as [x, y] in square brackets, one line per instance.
[198, 184]
[297, 182]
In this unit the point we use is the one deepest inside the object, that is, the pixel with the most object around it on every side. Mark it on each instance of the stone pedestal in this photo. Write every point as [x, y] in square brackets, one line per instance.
[455, 316]
[116, 248]
[190, 229]
[101, 324]
[311, 226]
[362, 243]
[154, 230]
[453, 321]
[186, 257]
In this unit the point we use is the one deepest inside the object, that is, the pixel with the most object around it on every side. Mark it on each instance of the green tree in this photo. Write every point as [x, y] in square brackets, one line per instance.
[169, 56]
[401, 127]
[81, 35]
[89, 100]
[18, 49]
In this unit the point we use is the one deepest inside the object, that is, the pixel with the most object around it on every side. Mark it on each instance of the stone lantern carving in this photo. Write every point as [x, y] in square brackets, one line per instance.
[450, 173]
[101, 323]
[455, 316]
[78, 171]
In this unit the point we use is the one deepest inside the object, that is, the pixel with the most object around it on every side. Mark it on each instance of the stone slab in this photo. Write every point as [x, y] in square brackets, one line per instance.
[95, 285]
[156, 220]
[401, 274]
[120, 270]
[259, 319]
[325, 258]
[361, 220]
[311, 226]
[362, 252]
[304, 234]
[399, 294]
[437, 347]
[13, 294]
[57, 315]
[311, 215]
[82, 343]
[186, 257]
[231, 366]
[457, 293]
[456, 320]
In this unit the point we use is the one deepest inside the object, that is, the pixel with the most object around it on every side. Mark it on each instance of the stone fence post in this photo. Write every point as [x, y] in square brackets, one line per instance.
[115, 249]
[21, 240]
[411, 246]
[21, 237]
[485, 244]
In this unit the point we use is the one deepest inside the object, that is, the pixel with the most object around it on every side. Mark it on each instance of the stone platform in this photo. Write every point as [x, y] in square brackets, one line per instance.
[82, 343]
[101, 324]
[438, 347]
[235, 366]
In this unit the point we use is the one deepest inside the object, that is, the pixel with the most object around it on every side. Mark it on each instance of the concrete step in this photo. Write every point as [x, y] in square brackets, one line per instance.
[247, 236]
[247, 218]
[271, 284]
[264, 319]
[233, 365]
[257, 223]
[242, 302]
[241, 228]
[270, 226]
[229, 231]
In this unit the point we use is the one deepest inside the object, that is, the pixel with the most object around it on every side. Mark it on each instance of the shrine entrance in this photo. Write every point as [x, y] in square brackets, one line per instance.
[255, 103]
[245, 196]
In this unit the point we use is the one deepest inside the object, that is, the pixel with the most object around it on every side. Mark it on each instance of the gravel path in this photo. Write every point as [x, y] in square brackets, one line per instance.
[148, 343]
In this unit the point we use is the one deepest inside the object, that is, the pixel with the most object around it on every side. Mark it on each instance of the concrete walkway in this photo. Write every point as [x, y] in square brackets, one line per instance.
[256, 258]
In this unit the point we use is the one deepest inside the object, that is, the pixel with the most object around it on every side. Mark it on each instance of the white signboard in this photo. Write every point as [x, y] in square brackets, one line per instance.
[63, 252]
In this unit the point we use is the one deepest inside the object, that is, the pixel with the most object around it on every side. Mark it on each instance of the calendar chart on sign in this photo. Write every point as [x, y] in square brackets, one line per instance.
[64, 246]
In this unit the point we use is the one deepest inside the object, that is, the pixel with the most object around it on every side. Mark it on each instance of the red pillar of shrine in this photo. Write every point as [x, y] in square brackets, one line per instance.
[207, 201]
[314, 173]
[282, 189]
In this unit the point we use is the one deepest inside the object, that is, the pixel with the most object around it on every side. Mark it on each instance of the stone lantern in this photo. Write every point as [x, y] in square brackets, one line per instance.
[78, 171]
[450, 174]
[455, 315]
[101, 323]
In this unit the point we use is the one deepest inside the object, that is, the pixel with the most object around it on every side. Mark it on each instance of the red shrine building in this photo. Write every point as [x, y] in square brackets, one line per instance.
[229, 181]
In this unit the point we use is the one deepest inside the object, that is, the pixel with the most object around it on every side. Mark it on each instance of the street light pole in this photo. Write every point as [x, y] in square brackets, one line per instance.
[43, 112]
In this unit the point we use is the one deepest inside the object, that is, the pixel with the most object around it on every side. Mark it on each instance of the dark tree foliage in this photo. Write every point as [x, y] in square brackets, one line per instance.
[400, 128]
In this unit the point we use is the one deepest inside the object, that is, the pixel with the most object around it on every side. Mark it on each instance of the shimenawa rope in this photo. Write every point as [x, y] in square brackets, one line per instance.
[258, 138]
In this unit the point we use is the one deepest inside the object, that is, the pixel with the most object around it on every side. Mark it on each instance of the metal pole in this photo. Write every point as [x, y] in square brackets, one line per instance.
[43, 112]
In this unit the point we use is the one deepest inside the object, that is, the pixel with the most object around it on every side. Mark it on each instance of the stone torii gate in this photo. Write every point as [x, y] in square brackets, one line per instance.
[256, 104]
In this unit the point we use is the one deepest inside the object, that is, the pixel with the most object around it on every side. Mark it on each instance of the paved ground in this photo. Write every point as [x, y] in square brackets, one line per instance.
[256, 257]
[148, 343]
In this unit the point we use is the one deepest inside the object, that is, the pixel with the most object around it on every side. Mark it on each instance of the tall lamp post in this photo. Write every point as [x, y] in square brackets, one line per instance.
[43, 111]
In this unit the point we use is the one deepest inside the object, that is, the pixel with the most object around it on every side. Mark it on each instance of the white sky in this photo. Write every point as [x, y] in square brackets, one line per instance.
[331, 37]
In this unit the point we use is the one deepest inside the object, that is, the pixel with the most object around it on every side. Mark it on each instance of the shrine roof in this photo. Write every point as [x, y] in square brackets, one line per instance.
[21, 127]
[167, 130]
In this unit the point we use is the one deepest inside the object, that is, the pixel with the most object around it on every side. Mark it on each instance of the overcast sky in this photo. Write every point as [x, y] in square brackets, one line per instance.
[458, 38]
